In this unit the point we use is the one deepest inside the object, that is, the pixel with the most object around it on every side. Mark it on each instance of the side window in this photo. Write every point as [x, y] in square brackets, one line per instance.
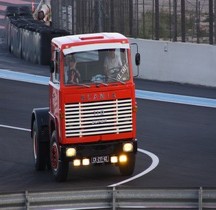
[56, 73]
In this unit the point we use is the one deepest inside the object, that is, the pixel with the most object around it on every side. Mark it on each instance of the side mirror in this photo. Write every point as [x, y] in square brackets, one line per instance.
[137, 59]
[52, 67]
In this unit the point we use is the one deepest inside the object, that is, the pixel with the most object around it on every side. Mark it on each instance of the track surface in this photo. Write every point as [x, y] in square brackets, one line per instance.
[183, 137]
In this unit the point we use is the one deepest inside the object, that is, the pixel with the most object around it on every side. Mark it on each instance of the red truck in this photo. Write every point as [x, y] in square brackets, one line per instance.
[91, 118]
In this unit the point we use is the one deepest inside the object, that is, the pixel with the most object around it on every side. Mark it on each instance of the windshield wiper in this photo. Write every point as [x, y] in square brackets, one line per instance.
[85, 85]
[78, 84]
[116, 80]
[98, 84]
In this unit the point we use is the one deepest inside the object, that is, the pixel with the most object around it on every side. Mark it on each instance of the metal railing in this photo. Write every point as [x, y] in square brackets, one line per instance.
[185, 20]
[113, 198]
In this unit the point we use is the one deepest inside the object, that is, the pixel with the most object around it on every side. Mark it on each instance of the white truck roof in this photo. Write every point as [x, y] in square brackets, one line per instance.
[95, 41]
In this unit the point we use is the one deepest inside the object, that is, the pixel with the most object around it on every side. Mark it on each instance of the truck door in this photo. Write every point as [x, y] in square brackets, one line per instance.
[54, 87]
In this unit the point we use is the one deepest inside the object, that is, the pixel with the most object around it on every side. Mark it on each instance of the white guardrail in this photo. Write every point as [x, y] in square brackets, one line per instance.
[113, 198]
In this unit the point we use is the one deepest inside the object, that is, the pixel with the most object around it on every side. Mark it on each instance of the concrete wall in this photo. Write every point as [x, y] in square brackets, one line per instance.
[177, 62]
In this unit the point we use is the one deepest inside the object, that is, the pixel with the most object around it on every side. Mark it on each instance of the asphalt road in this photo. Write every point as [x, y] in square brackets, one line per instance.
[181, 136]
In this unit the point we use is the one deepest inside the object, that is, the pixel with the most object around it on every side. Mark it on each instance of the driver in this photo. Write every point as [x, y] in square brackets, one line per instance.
[73, 73]
[112, 63]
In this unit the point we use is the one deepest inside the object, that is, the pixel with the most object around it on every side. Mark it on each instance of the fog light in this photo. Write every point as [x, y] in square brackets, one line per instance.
[71, 152]
[122, 158]
[77, 162]
[128, 147]
[114, 159]
[85, 162]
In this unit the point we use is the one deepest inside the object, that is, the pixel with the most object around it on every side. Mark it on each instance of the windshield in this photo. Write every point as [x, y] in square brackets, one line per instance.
[96, 66]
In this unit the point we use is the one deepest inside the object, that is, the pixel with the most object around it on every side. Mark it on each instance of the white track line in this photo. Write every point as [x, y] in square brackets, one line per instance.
[155, 162]
[15, 128]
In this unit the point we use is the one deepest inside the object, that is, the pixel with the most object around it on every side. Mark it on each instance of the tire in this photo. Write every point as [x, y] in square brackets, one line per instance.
[39, 150]
[127, 169]
[59, 168]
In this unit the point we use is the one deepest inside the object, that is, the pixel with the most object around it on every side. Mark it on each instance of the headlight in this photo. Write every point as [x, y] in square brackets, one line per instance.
[128, 147]
[85, 162]
[71, 152]
[114, 159]
[122, 158]
[77, 162]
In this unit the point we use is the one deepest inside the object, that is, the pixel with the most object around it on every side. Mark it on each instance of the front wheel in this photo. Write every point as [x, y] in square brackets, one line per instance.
[127, 169]
[59, 168]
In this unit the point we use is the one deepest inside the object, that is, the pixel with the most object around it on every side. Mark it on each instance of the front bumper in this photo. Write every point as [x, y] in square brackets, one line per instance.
[102, 149]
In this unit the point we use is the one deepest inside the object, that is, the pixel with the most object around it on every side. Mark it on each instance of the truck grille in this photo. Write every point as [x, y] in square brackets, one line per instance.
[96, 118]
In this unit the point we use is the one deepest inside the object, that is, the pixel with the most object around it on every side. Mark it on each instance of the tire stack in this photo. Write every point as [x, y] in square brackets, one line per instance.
[27, 38]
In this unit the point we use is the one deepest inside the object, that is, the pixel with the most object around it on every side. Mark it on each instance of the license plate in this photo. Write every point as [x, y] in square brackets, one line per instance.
[100, 159]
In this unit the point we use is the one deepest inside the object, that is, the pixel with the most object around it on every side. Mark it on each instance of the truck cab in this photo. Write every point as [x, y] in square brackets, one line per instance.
[91, 119]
